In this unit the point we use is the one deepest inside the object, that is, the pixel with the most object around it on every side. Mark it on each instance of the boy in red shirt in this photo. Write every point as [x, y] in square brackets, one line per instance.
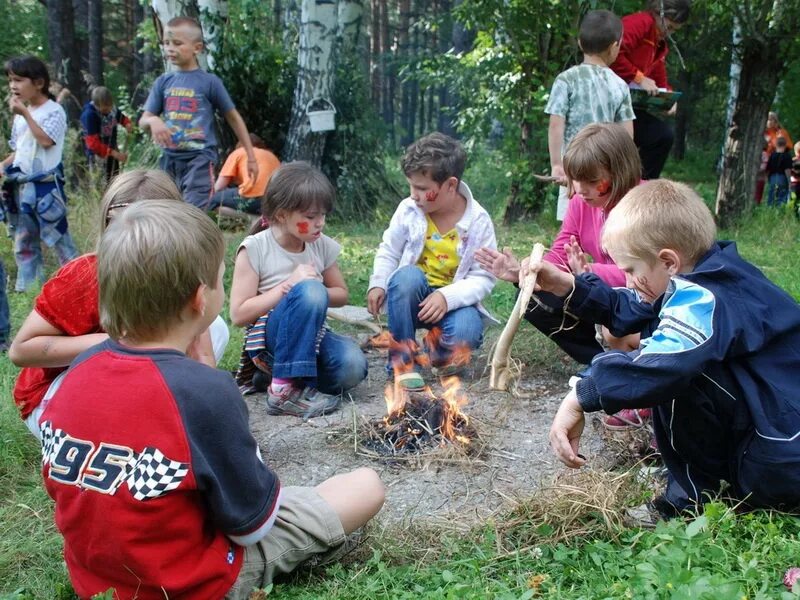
[159, 487]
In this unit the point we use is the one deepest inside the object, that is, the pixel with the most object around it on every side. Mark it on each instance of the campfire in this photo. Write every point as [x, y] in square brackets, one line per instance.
[420, 420]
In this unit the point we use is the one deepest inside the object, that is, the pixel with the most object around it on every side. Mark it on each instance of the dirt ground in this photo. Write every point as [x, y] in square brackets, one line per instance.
[515, 460]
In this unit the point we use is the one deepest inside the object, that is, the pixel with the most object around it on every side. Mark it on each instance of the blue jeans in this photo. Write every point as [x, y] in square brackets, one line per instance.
[778, 190]
[5, 318]
[28, 251]
[460, 327]
[300, 347]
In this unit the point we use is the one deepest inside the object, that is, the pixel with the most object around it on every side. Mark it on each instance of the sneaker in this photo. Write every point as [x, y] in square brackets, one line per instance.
[307, 403]
[411, 382]
[627, 418]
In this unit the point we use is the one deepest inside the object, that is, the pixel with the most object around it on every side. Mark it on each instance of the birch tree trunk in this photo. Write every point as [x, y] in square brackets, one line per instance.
[210, 13]
[733, 83]
[315, 75]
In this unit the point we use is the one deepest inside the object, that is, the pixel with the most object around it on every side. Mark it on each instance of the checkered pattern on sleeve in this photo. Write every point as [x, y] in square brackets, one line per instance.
[153, 474]
[51, 441]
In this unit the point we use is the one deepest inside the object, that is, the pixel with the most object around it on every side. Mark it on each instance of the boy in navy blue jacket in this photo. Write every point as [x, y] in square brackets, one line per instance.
[720, 368]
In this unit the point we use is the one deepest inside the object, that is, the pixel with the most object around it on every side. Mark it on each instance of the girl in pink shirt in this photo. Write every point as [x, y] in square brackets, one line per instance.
[601, 165]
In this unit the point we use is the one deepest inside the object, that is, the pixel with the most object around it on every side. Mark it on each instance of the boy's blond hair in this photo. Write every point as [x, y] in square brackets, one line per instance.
[657, 215]
[101, 96]
[603, 150]
[189, 23]
[132, 186]
[150, 263]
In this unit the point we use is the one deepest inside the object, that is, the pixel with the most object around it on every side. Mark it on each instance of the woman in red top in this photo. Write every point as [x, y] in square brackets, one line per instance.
[642, 62]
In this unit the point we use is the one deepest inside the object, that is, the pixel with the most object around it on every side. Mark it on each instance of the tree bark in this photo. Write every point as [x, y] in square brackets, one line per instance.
[213, 14]
[757, 84]
[389, 71]
[96, 41]
[375, 62]
[402, 55]
[55, 18]
[318, 25]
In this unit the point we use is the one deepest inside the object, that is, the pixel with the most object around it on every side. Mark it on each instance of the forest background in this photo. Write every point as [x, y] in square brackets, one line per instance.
[480, 70]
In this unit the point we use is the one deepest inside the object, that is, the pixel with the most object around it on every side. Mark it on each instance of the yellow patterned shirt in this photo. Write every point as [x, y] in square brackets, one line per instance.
[439, 260]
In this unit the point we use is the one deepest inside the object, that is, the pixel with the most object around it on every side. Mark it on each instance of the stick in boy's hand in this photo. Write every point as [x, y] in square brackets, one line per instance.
[375, 299]
[528, 279]
[549, 278]
[566, 430]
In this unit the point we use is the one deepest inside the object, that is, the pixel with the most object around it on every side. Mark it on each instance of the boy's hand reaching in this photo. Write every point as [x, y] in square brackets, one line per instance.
[503, 265]
[301, 273]
[566, 430]
[575, 257]
[375, 299]
[549, 278]
[433, 308]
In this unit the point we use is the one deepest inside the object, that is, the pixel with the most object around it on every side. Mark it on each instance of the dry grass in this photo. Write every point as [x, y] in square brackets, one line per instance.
[578, 504]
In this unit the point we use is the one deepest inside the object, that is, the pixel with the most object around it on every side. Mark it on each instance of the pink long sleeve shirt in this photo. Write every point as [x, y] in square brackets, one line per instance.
[586, 224]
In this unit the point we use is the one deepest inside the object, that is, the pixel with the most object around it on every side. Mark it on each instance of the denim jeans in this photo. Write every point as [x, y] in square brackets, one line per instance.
[300, 347]
[28, 251]
[778, 189]
[5, 318]
[407, 288]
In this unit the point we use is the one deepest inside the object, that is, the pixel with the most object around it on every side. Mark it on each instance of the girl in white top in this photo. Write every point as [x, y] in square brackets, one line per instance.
[37, 142]
[285, 278]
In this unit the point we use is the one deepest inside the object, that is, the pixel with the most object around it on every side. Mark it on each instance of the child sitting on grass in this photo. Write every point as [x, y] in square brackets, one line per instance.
[720, 367]
[425, 268]
[285, 278]
[65, 319]
[159, 487]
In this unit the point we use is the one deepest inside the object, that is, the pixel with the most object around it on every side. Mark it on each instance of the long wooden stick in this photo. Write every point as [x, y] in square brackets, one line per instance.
[501, 373]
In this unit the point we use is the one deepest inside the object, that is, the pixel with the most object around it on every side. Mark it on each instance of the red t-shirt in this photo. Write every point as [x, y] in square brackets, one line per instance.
[151, 464]
[69, 302]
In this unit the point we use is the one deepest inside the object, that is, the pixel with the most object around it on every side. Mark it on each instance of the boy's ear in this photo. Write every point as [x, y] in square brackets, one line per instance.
[197, 301]
[671, 260]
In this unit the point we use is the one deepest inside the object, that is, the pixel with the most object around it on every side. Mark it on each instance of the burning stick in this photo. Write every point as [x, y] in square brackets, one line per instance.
[501, 374]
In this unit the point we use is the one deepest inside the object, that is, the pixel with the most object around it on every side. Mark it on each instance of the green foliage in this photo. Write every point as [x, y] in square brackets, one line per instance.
[259, 73]
[24, 23]
[354, 156]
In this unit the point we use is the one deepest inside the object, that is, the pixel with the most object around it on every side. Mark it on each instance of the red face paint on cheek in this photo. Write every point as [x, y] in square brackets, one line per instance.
[603, 186]
[302, 227]
[431, 195]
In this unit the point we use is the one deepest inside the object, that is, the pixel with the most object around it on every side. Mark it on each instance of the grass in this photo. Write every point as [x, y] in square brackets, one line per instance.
[555, 544]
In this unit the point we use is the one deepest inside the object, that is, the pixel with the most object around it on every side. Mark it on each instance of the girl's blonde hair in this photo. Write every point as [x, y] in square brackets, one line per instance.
[657, 215]
[295, 186]
[600, 150]
[132, 186]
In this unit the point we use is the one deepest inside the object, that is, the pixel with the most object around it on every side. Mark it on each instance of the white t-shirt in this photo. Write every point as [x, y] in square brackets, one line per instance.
[29, 156]
[274, 264]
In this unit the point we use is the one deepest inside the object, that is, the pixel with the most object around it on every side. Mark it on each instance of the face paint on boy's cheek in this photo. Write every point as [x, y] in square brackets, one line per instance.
[431, 195]
[302, 227]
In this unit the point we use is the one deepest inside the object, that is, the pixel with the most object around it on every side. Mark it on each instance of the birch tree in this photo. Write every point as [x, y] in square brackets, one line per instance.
[315, 78]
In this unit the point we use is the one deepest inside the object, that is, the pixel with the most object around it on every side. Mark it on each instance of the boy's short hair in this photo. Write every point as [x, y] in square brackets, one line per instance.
[599, 29]
[189, 22]
[660, 214]
[101, 96]
[150, 262]
[436, 155]
[675, 10]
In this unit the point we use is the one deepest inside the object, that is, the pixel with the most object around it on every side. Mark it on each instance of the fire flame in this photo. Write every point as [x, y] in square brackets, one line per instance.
[453, 398]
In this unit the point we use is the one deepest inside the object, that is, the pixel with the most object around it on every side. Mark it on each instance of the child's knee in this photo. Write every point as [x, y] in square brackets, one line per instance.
[406, 279]
[311, 293]
[369, 482]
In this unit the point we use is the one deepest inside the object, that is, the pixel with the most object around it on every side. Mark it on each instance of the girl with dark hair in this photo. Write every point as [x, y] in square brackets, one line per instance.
[285, 278]
[34, 169]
